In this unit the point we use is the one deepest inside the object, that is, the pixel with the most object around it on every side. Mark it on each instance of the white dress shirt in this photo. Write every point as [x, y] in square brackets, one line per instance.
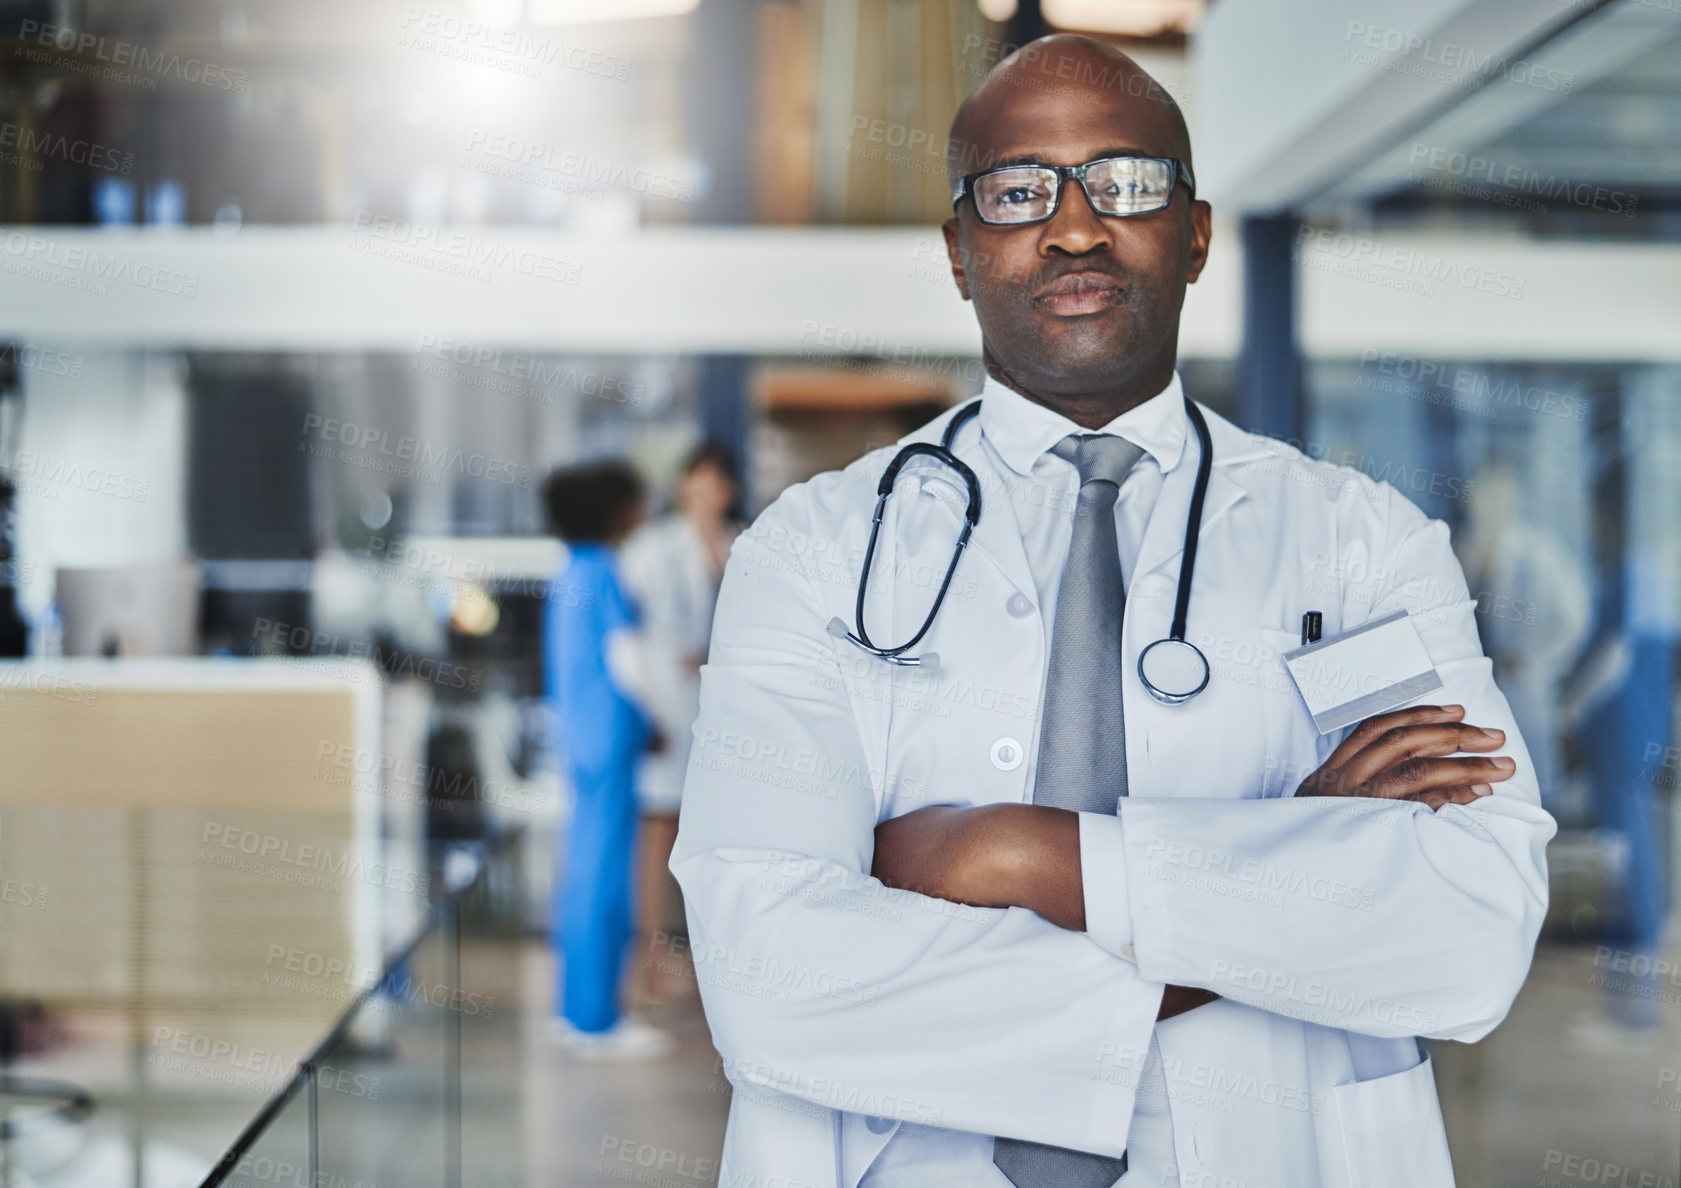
[1043, 491]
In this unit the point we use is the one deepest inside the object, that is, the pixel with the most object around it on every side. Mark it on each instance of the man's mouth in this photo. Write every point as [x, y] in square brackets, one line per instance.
[1076, 294]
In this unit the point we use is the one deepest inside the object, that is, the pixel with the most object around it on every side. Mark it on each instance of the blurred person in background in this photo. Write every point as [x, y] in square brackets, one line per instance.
[673, 567]
[1535, 609]
[593, 507]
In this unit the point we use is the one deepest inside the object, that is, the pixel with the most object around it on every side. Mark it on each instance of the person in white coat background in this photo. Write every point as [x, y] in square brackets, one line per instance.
[673, 566]
[1007, 920]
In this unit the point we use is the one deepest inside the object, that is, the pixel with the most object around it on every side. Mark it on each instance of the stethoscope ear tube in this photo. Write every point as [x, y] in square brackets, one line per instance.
[940, 453]
[886, 489]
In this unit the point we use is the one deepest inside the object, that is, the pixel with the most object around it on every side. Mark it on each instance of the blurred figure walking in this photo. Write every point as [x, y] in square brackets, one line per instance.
[603, 732]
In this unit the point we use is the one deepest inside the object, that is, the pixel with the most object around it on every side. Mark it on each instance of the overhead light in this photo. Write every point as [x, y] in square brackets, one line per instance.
[1137, 18]
[998, 10]
[473, 610]
[500, 13]
[578, 12]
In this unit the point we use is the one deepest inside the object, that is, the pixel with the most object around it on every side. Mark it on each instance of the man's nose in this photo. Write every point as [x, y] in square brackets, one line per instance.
[1075, 228]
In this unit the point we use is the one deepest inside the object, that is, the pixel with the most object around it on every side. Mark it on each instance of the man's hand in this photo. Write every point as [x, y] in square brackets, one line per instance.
[1176, 1000]
[1404, 755]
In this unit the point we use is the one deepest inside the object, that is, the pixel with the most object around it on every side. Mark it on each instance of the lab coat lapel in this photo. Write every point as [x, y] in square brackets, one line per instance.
[998, 534]
[1164, 535]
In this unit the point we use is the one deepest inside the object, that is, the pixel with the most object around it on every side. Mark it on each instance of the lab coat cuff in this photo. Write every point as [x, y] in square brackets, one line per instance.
[1103, 874]
[1147, 891]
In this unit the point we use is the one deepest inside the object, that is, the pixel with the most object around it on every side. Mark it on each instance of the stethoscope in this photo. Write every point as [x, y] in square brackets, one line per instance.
[1173, 670]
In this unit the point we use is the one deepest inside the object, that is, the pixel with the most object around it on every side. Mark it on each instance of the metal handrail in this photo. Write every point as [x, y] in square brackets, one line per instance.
[446, 909]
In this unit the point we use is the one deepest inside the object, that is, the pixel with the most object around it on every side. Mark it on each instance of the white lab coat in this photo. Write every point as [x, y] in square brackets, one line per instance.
[1336, 931]
[666, 565]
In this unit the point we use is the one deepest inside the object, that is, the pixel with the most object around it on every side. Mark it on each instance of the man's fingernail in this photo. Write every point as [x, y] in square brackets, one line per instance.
[1481, 790]
[1496, 735]
[1454, 709]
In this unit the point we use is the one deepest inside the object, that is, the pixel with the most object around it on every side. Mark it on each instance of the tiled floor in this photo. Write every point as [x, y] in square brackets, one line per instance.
[1561, 1093]
[1558, 1095]
[579, 1118]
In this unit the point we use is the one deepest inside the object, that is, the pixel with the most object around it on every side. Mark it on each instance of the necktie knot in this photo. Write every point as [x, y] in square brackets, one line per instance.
[1099, 457]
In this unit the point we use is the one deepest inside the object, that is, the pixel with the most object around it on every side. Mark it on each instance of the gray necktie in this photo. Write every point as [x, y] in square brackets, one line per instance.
[1082, 736]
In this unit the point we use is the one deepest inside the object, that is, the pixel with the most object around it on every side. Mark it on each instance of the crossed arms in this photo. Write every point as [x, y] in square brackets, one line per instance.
[843, 961]
[1027, 855]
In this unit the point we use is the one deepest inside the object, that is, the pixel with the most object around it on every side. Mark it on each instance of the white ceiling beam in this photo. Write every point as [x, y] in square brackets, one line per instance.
[801, 294]
[790, 292]
[1293, 95]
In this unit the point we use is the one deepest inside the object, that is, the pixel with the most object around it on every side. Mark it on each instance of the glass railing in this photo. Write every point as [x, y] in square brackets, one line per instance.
[379, 1101]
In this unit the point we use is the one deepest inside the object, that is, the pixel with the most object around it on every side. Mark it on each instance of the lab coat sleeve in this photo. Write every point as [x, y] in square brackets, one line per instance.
[819, 981]
[639, 562]
[626, 652]
[646, 569]
[1103, 875]
[1373, 916]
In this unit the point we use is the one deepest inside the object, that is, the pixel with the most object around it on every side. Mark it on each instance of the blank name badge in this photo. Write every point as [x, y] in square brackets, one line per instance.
[1372, 669]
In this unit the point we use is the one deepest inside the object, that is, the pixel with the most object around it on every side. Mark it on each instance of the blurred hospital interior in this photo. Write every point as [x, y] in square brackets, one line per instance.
[304, 305]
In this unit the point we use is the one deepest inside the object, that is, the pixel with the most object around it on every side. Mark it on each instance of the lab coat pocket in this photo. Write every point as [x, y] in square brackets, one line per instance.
[1291, 751]
[1392, 1131]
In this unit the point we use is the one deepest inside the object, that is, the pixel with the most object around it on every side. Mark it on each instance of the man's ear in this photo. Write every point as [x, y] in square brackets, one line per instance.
[1202, 230]
[954, 253]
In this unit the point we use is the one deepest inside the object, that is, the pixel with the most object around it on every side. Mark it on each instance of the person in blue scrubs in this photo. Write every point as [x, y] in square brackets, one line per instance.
[603, 733]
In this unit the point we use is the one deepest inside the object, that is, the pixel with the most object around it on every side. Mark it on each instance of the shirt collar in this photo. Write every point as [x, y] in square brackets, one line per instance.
[1022, 430]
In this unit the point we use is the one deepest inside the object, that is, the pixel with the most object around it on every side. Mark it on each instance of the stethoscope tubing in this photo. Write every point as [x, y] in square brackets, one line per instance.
[942, 452]
[1193, 523]
[860, 636]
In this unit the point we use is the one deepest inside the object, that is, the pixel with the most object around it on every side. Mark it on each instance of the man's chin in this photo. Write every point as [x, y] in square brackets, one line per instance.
[1080, 362]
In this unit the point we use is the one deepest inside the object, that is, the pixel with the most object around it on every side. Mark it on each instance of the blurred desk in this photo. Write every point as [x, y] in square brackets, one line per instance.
[193, 833]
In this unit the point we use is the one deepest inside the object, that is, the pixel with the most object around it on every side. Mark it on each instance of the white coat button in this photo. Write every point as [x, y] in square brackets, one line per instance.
[1020, 605]
[1128, 953]
[878, 1125]
[1006, 754]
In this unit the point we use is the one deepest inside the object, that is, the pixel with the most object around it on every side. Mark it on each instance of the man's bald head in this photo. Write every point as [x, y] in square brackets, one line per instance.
[1058, 63]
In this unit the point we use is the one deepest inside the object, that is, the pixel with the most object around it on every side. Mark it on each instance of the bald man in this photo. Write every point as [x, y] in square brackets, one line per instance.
[1011, 922]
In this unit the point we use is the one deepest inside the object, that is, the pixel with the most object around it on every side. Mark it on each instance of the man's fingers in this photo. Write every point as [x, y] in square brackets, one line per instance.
[1369, 730]
[1415, 776]
[1405, 754]
[1401, 743]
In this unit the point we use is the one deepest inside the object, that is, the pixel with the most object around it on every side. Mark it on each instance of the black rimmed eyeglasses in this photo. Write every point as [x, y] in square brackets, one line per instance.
[1015, 194]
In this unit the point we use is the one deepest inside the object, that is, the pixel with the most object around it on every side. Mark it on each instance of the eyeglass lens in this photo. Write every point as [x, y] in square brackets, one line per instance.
[1119, 186]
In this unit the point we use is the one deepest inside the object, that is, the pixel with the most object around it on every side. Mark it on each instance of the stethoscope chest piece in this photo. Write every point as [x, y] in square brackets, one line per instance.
[1173, 670]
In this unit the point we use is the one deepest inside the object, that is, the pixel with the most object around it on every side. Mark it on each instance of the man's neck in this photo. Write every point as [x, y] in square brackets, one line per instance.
[1093, 409]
